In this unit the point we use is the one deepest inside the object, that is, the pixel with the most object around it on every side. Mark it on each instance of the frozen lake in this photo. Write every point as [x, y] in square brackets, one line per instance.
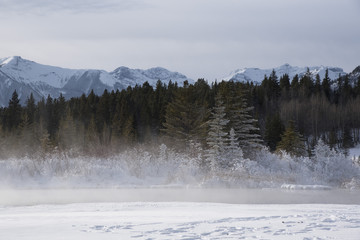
[169, 213]
[18, 197]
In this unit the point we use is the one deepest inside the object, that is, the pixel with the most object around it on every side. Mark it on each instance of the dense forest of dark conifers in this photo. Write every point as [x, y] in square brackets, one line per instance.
[278, 109]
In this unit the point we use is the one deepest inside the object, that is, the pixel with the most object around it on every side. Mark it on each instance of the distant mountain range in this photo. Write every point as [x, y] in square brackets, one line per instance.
[256, 75]
[27, 77]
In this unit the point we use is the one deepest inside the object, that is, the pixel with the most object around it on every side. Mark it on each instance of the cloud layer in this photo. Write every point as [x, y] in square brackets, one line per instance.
[202, 38]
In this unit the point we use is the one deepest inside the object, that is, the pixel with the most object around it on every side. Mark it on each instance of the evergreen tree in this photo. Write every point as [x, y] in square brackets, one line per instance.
[13, 113]
[347, 140]
[68, 134]
[274, 128]
[216, 139]
[306, 85]
[285, 86]
[285, 82]
[235, 156]
[326, 84]
[295, 85]
[317, 86]
[272, 87]
[333, 140]
[30, 109]
[244, 125]
[185, 117]
[292, 142]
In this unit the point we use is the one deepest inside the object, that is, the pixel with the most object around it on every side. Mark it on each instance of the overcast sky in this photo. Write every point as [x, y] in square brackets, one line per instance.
[199, 38]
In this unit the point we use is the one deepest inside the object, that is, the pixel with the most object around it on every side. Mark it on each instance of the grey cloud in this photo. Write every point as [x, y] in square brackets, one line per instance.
[45, 7]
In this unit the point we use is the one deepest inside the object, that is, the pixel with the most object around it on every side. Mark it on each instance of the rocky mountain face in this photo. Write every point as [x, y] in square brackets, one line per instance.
[27, 77]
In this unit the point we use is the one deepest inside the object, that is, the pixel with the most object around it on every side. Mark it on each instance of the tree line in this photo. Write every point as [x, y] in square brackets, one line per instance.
[280, 113]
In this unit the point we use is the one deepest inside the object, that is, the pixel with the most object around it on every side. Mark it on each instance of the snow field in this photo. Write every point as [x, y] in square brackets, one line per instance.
[175, 220]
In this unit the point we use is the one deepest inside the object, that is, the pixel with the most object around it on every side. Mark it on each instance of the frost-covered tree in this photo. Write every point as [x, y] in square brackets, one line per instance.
[235, 156]
[216, 139]
[333, 167]
[245, 126]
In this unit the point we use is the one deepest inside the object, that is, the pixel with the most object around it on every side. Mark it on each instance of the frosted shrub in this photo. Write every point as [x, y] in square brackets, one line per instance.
[332, 167]
[165, 166]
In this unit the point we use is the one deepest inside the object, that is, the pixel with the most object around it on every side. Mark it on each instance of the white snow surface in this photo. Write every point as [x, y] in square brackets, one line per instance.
[256, 75]
[179, 220]
[163, 195]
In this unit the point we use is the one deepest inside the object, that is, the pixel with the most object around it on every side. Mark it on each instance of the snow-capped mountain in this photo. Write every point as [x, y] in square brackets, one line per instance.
[354, 76]
[256, 75]
[129, 76]
[27, 77]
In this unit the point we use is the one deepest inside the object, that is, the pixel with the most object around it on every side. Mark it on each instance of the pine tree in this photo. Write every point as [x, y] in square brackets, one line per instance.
[274, 128]
[216, 139]
[129, 130]
[295, 85]
[244, 125]
[67, 134]
[185, 117]
[291, 141]
[285, 86]
[30, 109]
[317, 86]
[13, 113]
[306, 85]
[347, 140]
[235, 156]
[326, 84]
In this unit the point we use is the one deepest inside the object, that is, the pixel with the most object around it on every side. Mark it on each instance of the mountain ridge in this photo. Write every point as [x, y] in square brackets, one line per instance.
[256, 75]
[28, 77]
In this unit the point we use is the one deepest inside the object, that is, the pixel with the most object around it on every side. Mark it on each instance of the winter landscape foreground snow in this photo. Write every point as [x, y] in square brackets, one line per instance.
[167, 196]
[161, 213]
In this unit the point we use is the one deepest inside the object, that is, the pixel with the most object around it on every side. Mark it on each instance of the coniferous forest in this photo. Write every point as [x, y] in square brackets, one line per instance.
[217, 124]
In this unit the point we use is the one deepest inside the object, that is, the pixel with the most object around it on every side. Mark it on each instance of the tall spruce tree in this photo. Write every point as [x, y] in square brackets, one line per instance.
[244, 125]
[235, 156]
[325, 85]
[292, 142]
[185, 117]
[216, 139]
[13, 113]
[274, 128]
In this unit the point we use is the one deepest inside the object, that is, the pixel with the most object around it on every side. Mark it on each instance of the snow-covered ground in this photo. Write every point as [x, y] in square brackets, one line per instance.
[179, 220]
[179, 214]
[165, 195]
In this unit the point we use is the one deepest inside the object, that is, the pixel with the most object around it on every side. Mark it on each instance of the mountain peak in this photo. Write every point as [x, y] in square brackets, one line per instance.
[14, 60]
[356, 70]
